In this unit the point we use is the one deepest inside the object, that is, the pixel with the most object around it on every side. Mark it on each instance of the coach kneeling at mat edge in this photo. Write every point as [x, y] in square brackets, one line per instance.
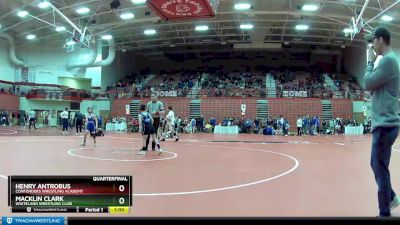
[156, 109]
[383, 82]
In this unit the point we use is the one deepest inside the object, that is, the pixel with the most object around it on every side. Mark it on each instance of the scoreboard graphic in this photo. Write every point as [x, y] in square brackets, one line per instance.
[70, 194]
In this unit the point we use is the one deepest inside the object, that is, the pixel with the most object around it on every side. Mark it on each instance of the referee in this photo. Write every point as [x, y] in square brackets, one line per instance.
[156, 110]
[64, 116]
[384, 83]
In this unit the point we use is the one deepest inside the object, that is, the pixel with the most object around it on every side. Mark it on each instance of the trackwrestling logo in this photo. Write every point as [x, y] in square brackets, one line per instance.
[33, 220]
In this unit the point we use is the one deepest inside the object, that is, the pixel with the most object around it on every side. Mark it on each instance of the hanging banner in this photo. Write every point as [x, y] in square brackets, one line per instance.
[127, 109]
[243, 109]
[166, 93]
[24, 74]
[295, 94]
[183, 9]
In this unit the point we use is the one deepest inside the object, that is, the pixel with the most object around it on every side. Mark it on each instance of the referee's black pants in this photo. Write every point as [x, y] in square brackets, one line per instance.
[156, 126]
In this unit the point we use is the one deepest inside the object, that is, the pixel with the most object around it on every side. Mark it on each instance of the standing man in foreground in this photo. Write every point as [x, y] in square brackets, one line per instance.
[383, 82]
[156, 110]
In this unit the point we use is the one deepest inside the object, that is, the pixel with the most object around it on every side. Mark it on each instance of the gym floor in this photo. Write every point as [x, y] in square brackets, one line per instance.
[212, 175]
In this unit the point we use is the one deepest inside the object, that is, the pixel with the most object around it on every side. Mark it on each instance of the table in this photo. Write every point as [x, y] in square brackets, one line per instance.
[116, 126]
[226, 129]
[350, 130]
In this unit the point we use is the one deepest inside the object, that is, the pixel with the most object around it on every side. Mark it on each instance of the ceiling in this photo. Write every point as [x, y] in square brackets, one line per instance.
[273, 20]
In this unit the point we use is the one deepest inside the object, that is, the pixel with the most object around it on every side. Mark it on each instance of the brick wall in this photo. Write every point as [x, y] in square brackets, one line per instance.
[228, 107]
[9, 102]
[291, 108]
[342, 108]
[221, 107]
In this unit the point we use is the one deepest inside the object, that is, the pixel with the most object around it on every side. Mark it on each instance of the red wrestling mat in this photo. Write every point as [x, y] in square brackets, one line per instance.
[182, 9]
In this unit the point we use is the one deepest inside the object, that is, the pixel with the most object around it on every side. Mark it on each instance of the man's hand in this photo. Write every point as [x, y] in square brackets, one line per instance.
[371, 55]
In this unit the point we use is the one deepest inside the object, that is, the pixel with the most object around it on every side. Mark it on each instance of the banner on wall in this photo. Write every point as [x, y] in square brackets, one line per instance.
[166, 93]
[243, 109]
[127, 109]
[25, 74]
[295, 94]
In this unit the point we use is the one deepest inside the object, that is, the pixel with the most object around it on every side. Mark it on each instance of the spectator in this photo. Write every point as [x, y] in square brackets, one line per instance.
[269, 130]
[299, 124]
[213, 123]
[193, 125]
[285, 127]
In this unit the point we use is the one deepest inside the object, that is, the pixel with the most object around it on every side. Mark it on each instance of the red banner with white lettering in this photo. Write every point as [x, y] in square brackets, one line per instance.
[182, 9]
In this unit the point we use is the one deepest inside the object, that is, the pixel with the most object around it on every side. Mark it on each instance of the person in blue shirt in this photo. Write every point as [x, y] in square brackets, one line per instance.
[213, 122]
[317, 124]
[269, 131]
[100, 121]
[305, 122]
[285, 127]
[147, 129]
[90, 126]
[312, 126]
[225, 122]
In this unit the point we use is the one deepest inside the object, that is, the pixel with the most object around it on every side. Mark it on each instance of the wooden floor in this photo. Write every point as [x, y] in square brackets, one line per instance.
[212, 175]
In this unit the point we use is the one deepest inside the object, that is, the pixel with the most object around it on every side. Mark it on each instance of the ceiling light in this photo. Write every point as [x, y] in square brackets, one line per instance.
[387, 18]
[44, 4]
[370, 45]
[138, 1]
[83, 10]
[348, 30]
[22, 14]
[246, 26]
[59, 29]
[301, 27]
[309, 7]
[150, 32]
[127, 16]
[202, 28]
[30, 37]
[242, 6]
[107, 37]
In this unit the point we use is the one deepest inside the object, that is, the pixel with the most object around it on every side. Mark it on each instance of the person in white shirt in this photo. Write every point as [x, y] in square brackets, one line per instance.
[170, 118]
[32, 119]
[299, 123]
[64, 118]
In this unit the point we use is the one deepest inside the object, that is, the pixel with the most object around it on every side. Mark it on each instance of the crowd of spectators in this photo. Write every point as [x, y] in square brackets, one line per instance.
[80, 93]
[233, 85]
[306, 125]
[130, 81]
[220, 84]
[7, 90]
[313, 83]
